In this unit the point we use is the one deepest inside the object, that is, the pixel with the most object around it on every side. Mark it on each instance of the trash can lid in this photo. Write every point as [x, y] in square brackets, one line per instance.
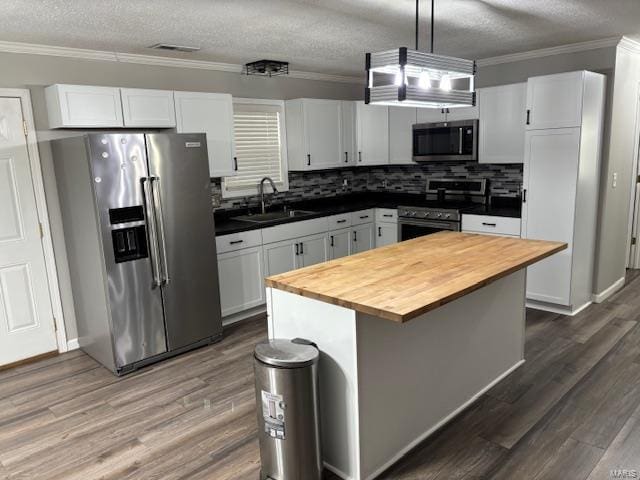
[283, 353]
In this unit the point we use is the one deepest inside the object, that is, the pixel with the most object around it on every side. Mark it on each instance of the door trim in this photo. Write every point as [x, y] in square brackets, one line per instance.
[633, 255]
[43, 213]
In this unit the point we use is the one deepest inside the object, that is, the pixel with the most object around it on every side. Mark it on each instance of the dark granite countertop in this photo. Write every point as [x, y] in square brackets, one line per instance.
[225, 224]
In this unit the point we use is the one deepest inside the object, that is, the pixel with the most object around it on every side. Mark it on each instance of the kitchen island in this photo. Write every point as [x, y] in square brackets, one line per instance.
[410, 334]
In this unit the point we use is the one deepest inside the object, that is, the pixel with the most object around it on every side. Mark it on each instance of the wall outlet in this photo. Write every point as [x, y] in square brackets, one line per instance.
[614, 183]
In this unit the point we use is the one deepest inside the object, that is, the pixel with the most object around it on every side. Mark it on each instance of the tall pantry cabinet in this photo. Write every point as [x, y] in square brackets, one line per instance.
[563, 143]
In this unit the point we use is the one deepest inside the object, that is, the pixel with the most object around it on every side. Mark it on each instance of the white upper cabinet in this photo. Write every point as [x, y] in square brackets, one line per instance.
[433, 115]
[83, 106]
[148, 108]
[401, 121]
[555, 101]
[372, 134]
[210, 113]
[314, 134]
[349, 132]
[502, 123]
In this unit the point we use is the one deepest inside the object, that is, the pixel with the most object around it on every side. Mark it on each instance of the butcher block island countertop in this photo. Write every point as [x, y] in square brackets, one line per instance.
[402, 281]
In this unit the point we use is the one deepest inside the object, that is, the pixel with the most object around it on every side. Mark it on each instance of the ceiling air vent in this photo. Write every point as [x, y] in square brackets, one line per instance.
[267, 68]
[175, 48]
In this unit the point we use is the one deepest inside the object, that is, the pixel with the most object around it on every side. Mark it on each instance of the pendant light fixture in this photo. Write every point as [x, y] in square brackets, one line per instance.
[405, 77]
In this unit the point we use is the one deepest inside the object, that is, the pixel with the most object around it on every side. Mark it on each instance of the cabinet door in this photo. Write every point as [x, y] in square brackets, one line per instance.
[463, 113]
[401, 121]
[339, 243]
[555, 101]
[148, 108]
[550, 175]
[82, 106]
[349, 146]
[210, 113]
[502, 120]
[281, 257]
[362, 238]
[386, 234]
[241, 276]
[430, 115]
[322, 123]
[312, 249]
[372, 134]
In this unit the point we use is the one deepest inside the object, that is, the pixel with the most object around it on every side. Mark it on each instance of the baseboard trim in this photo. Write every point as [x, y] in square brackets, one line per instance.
[244, 315]
[73, 344]
[607, 292]
[440, 424]
[547, 307]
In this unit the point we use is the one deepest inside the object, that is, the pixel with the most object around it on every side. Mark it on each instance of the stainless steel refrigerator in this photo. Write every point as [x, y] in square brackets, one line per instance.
[140, 240]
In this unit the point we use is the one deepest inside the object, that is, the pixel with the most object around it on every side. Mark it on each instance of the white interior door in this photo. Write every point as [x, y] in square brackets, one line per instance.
[26, 317]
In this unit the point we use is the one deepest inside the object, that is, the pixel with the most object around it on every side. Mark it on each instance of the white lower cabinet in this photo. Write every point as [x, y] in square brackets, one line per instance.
[491, 225]
[280, 257]
[313, 249]
[241, 274]
[386, 234]
[339, 243]
[362, 238]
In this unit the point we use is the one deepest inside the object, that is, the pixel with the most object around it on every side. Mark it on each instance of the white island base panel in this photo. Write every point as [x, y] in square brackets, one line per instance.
[386, 386]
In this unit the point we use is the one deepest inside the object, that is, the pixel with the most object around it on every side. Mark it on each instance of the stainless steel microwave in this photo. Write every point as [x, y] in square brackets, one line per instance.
[445, 141]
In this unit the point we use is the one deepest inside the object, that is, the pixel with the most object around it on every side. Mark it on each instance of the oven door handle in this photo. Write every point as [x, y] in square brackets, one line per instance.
[453, 226]
[460, 141]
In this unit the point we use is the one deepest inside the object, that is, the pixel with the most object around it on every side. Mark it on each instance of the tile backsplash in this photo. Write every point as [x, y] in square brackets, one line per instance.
[505, 180]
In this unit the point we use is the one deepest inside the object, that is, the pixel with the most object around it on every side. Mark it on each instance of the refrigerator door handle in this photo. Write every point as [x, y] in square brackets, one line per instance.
[157, 203]
[153, 234]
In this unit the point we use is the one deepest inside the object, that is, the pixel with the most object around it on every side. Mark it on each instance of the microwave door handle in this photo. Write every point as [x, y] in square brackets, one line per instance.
[460, 141]
[157, 202]
[152, 232]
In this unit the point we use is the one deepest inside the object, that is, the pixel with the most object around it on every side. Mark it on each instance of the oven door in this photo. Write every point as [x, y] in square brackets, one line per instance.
[408, 229]
[445, 141]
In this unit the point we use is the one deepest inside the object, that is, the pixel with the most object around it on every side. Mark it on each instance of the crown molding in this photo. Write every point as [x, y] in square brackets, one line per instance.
[547, 52]
[98, 55]
[630, 45]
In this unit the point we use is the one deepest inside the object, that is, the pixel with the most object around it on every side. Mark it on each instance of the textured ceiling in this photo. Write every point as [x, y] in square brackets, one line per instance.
[329, 36]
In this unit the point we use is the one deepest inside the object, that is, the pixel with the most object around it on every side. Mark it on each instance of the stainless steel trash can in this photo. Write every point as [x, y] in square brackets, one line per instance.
[286, 373]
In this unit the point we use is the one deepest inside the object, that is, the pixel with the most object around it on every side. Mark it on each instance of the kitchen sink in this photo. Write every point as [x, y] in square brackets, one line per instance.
[272, 216]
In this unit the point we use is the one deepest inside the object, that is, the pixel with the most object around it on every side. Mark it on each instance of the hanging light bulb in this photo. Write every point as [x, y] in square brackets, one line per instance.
[399, 78]
[424, 80]
[445, 83]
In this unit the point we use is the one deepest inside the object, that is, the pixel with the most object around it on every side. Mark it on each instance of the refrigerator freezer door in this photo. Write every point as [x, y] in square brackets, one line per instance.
[118, 165]
[179, 164]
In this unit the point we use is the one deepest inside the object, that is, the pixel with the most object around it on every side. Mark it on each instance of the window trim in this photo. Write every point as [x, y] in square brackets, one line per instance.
[283, 150]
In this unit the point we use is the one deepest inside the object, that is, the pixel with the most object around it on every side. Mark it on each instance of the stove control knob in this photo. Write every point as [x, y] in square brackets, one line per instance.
[439, 215]
[423, 214]
[447, 215]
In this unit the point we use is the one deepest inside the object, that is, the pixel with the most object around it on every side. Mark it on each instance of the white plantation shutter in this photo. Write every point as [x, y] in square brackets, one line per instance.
[258, 140]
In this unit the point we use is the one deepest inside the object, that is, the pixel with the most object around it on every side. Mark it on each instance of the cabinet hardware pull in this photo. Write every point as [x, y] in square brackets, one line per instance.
[524, 196]
[308, 159]
[332, 240]
[528, 117]
[388, 215]
[359, 156]
[364, 216]
[234, 242]
[460, 141]
[341, 221]
[355, 236]
[297, 249]
[379, 231]
[346, 157]
[301, 248]
[235, 163]
[488, 224]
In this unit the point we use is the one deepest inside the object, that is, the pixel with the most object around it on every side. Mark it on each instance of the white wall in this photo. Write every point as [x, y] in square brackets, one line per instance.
[618, 158]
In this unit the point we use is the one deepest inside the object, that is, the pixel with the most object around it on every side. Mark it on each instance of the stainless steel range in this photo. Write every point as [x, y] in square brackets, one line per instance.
[442, 208]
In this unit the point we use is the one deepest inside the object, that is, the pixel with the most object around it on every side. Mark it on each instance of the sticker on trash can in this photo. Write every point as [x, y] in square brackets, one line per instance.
[273, 407]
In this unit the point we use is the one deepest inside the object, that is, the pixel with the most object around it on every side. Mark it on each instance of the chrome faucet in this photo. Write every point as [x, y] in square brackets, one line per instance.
[261, 190]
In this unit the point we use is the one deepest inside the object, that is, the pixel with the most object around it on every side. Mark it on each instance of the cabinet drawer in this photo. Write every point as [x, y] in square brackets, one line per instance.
[339, 221]
[489, 224]
[288, 231]
[386, 215]
[237, 241]
[362, 216]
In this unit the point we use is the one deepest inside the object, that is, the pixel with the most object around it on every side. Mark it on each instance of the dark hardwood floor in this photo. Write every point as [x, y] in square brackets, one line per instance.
[572, 411]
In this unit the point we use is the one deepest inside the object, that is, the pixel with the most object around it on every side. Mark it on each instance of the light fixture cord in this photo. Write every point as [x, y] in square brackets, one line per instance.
[432, 22]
